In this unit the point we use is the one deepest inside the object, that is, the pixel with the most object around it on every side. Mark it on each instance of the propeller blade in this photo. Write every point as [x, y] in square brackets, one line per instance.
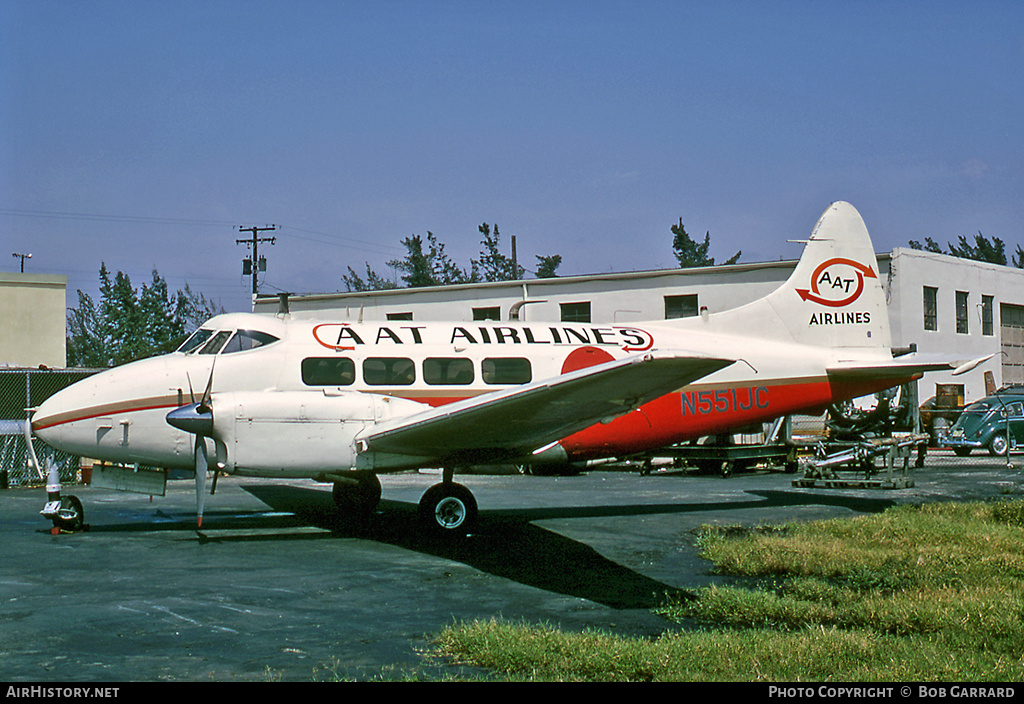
[204, 402]
[202, 465]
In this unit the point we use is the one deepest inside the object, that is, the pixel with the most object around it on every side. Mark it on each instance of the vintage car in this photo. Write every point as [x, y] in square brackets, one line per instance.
[995, 423]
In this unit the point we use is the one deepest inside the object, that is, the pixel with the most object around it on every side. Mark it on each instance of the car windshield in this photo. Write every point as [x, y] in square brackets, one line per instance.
[980, 407]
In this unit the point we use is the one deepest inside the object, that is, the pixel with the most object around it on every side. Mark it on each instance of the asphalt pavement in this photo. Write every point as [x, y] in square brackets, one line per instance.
[279, 586]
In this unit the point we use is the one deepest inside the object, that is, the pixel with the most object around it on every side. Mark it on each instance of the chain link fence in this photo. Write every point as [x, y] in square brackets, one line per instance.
[21, 389]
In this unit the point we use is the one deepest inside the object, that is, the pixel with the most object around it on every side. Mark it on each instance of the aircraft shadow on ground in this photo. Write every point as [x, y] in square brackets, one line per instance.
[506, 543]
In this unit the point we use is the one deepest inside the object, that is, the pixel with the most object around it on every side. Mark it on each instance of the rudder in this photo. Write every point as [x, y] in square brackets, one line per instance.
[833, 298]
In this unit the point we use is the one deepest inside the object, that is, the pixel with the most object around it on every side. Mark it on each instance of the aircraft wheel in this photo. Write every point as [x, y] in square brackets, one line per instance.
[362, 497]
[71, 516]
[998, 445]
[448, 509]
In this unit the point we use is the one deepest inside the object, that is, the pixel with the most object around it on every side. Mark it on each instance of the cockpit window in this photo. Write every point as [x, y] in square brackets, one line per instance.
[247, 340]
[195, 340]
[204, 341]
[215, 342]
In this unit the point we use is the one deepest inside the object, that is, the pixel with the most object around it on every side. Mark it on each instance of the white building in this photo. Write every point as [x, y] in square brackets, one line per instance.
[32, 320]
[942, 304]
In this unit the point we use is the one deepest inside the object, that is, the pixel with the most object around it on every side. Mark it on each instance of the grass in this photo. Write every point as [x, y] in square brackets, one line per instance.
[930, 593]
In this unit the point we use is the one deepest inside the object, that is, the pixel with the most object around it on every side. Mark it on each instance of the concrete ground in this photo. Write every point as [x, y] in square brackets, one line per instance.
[279, 586]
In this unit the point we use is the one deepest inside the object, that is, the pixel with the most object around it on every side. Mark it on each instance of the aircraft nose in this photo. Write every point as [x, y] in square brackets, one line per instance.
[48, 418]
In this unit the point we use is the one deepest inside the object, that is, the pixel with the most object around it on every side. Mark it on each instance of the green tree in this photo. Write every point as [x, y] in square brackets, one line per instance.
[84, 346]
[690, 253]
[128, 325]
[431, 267]
[547, 266]
[929, 245]
[426, 264]
[495, 266]
[982, 249]
[373, 282]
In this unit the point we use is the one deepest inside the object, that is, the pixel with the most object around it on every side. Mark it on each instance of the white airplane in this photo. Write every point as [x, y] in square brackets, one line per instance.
[342, 402]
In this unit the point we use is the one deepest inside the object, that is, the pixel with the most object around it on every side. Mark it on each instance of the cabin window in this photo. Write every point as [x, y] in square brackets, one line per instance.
[506, 370]
[400, 316]
[931, 316]
[245, 340]
[576, 312]
[389, 371]
[328, 371]
[681, 306]
[447, 371]
[961, 313]
[215, 343]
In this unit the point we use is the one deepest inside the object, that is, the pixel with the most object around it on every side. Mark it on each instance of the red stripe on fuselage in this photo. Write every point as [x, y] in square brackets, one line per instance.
[702, 411]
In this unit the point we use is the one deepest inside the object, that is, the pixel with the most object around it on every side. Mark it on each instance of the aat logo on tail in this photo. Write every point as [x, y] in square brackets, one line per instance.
[837, 282]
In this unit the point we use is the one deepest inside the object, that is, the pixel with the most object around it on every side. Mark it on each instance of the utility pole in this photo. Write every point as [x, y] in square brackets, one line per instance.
[257, 263]
[23, 258]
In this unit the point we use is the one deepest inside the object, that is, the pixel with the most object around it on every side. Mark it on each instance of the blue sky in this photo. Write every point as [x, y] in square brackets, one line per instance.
[142, 133]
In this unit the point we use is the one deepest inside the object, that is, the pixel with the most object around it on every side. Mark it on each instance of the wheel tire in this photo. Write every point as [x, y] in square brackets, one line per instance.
[998, 445]
[362, 498]
[448, 509]
[71, 516]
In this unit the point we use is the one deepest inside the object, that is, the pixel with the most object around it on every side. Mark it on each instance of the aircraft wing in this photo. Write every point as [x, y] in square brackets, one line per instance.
[514, 422]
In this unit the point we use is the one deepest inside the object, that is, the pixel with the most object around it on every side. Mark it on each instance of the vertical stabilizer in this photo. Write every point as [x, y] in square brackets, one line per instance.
[834, 297]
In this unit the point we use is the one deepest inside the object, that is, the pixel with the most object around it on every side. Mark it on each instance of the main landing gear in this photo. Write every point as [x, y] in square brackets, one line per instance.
[444, 509]
[448, 509]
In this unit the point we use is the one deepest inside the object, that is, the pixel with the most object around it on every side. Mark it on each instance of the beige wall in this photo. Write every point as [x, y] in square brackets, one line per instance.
[32, 320]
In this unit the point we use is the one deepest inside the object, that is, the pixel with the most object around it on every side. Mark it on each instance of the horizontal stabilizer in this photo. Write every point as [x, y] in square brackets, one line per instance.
[908, 366]
[517, 421]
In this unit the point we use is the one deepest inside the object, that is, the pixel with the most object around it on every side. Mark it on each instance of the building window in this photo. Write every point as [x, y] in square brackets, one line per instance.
[987, 315]
[493, 313]
[931, 319]
[681, 306]
[576, 312]
[961, 313]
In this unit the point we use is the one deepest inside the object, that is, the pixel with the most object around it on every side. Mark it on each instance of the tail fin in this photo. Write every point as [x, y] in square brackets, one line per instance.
[833, 298]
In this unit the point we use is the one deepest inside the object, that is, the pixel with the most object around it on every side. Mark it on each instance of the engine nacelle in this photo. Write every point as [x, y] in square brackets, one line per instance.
[296, 433]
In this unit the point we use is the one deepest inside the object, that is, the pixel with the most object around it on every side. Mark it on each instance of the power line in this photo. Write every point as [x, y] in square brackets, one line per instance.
[109, 218]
